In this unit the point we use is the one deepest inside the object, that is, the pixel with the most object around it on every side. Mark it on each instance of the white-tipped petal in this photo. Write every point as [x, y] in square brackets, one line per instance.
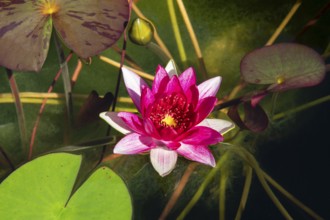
[171, 68]
[163, 160]
[134, 84]
[209, 87]
[116, 122]
[221, 126]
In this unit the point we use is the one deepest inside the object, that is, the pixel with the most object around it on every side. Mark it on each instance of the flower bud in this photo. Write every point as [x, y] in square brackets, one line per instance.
[141, 32]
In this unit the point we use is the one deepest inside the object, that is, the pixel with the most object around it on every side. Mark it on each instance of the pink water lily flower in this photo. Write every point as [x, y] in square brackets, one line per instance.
[173, 118]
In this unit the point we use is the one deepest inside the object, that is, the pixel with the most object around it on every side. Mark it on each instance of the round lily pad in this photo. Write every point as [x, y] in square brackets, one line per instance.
[41, 189]
[284, 66]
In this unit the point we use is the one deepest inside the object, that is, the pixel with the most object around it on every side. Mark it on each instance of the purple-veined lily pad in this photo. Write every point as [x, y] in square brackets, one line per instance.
[284, 66]
[87, 27]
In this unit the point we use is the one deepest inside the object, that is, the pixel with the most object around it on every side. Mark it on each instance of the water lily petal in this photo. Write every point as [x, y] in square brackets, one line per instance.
[116, 122]
[209, 87]
[134, 84]
[134, 122]
[163, 160]
[187, 79]
[150, 129]
[201, 136]
[221, 126]
[171, 68]
[174, 86]
[204, 108]
[147, 98]
[161, 80]
[197, 153]
[133, 144]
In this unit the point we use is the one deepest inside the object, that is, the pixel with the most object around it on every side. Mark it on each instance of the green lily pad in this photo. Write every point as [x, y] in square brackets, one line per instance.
[284, 66]
[41, 189]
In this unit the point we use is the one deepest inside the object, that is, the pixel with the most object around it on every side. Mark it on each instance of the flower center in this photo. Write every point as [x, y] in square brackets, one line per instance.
[168, 120]
[172, 111]
[49, 8]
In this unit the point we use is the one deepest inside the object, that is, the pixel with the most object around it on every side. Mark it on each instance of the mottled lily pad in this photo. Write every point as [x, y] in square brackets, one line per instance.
[41, 189]
[284, 66]
[86, 27]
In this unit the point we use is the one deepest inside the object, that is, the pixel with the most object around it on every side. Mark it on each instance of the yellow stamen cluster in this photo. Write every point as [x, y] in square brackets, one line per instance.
[168, 120]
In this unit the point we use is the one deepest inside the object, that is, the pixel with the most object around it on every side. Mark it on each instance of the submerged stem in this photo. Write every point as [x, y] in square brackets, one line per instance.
[193, 38]
[244, 154]
[203, 186]
[176, 194]
[19, 110]
[158, 51]
[302, 107]
[65, 77]
[176, 31]
[222, 196]
[285, 21]
[245, 193]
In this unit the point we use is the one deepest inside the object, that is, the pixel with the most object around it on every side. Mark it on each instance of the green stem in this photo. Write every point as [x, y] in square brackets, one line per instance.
[302, 107]
[176, 31]
[245, 193]
[291, 197]
[158, 51]
[273, 106]
[222, 196]
[19, 110]
[244, 154]
[203, 186]
[65, 77]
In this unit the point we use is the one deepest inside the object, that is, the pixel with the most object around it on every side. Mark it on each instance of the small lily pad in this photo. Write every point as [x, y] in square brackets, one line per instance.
[284, 66]
[41, 189]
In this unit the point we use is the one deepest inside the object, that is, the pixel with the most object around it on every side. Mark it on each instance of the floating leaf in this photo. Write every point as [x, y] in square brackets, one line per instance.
[24, 35]
[87, 27]
[284, 66]
[255, 118]
[41, 189]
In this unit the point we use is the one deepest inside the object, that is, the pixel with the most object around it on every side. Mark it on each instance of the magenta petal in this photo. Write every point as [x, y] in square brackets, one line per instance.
[134, 122]
[173, 86]
[201, 136]
[134, 84]
[150, 129]
[209, 87]
[115, 121]
[197, 153]
[160, 81]
[147, 98]
[133, 144]
[163, 160]
[187, 79]
[204, 108]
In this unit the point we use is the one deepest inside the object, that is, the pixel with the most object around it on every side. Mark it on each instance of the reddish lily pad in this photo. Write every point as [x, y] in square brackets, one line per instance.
[86, 27]
[255, 118]
[284, 66]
